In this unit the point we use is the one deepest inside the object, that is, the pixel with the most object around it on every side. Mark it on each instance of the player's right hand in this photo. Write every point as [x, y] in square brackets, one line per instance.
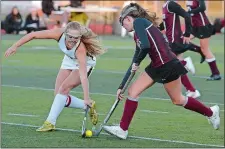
[119, 95]
[10, 51]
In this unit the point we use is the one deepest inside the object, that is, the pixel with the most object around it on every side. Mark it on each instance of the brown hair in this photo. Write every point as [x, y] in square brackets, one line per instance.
[89, 38]
[140, 12]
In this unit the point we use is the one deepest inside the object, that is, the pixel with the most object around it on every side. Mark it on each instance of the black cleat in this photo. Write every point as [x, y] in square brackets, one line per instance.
[214, 77]
[202, 59]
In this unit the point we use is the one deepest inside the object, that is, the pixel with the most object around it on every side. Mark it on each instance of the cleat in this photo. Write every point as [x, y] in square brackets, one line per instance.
[47, 126]
[189, 65]
[214, 78]
[194, 94]
[202, 58]
[215, 118]
[93, 114]
[117, 131]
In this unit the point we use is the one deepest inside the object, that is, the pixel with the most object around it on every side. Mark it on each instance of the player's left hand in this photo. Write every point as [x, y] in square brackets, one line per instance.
[186, 40]
[134, 67]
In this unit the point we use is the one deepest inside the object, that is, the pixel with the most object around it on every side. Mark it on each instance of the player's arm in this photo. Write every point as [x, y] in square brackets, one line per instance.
[45, 34]
[81, 57]
[201, 8]
[125, 78]
[140, 25]
[177, 9]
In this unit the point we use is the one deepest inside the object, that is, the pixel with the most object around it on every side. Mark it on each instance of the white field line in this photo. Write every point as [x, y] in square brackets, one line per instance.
[102, 71]
[133, 137]
[104, 94]
[22, 115]
[100, 114]
[57, 48]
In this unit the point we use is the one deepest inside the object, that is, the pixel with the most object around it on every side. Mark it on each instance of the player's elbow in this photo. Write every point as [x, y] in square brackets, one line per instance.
[32, 35]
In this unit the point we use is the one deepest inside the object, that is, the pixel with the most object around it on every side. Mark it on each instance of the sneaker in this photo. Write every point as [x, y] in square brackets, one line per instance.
[194, 94]
[189, 65]
[93, 114]
[47, 126]
[215, 118]
[117, 131]
[214, 77]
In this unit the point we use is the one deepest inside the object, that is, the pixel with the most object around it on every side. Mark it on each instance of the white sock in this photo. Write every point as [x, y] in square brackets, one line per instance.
[57, 107]
[74, 102]
[210, 59]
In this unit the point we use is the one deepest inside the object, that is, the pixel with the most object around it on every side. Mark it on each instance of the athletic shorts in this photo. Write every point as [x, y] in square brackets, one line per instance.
[72, 64]
[202, 32]
[166, 73]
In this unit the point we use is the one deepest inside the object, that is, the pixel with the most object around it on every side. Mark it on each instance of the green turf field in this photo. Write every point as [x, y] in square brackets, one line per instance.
[27, 94]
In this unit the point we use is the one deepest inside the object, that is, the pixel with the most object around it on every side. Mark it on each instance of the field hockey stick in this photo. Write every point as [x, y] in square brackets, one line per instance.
[97, 132]
[84, 122]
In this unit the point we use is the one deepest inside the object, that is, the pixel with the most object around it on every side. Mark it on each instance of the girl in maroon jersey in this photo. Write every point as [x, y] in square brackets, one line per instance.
[178, 41]
[164, 68]
[203, 29]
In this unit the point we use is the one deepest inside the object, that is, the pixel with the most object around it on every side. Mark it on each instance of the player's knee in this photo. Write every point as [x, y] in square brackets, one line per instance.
[64, 89]
[178, 101]
[132, 93]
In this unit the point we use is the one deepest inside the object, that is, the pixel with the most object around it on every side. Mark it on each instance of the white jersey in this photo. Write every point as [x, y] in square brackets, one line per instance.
[70, 53]
[70, 60]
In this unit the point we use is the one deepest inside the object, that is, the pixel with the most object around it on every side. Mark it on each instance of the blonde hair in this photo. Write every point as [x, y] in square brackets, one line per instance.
[140, 12]
[90, 39]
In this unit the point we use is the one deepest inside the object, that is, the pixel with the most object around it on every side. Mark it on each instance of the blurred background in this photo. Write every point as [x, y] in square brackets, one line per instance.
[100, 16]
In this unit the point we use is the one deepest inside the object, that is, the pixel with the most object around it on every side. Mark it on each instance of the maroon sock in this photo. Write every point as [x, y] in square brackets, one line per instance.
[214, 68]
[187, 83]
[183, 62]
[128, 113]
[195, 105]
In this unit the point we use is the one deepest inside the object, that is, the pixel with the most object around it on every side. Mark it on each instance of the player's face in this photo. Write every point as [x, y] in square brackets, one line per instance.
[128, 23]
[15, 11]
[72, 37]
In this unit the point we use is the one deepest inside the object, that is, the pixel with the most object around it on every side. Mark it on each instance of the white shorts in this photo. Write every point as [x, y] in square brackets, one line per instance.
[72, 64]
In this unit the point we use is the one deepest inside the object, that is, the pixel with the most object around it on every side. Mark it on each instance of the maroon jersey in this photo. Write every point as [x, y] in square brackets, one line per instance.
[160, 52]
[172, 25]
[199, 19]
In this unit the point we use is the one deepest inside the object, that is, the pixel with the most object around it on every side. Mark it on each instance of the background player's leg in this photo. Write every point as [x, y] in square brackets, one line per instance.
[187, 62]
[210, 58]
[191, 90]
[196, 48]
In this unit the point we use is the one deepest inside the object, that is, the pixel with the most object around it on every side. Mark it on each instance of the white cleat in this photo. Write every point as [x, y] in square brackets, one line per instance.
[215, 118]
[117, 131]
[194, 94]
[189, 65]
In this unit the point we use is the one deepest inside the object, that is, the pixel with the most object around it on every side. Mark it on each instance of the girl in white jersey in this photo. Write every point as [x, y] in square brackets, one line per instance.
[80, 46]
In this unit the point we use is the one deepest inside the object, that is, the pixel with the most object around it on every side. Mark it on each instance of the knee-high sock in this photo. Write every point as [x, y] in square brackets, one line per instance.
[187, 83]
[57, 107]
[213, 66]
[74, 102]
[194, 105]
[128, 113]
